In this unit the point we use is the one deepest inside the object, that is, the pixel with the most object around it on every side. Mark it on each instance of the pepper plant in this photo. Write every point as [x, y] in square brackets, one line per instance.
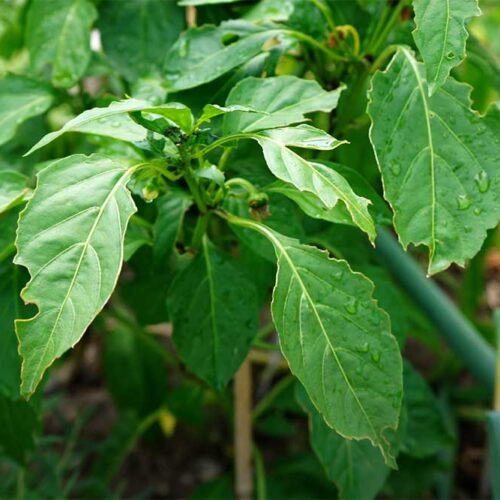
[241, 159]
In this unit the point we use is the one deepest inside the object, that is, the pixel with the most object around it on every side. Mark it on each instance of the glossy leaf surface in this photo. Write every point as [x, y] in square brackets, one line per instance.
[20, 98]
[58, 34]
[214, 311]
[336, 340]
[356, 467]
[70, 238]
[284, 100]
[12, 188]
[441, 35]
[438, 161]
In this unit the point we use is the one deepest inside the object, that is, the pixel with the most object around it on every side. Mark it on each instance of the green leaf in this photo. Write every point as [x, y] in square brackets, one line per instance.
[136, 34]
[440, 36]
[184, 3]
[313, 207]
[70, 238]
[426, 432]
[336, 339]
[203, 54]
[58, 33]
[20, 98]
[439, 162]
[18, 426]
[213, 110]
[281, 101]
[356, 467]
[211, 173]
[214, 311]
[113, 121]
[171, 210]
[12, 188]
[311, 176]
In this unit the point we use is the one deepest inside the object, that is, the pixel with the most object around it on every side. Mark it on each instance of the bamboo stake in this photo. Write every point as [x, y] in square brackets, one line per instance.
[243, 431]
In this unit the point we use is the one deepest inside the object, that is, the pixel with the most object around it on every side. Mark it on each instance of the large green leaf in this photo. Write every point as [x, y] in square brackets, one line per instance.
[439, 162]
[283, 101]
[214, 310]
[203, 54]
[20, 98]
[58, 33]
[113, 121]
[313, 177]
[356, 467]
[12, 188]
[336, 339]
[440, 35]
[137, 33]
[70, 238]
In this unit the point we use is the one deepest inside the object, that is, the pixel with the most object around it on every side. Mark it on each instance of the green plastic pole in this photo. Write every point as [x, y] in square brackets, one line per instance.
[476, 354]
[494, 421]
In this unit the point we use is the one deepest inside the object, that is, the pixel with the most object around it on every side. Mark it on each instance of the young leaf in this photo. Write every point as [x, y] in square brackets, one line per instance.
[70, 238]
[310, 176]
[356, 467]
[20, 98]
[171, 210]
[281, 101]
[213, 110]
[137, 33]
[12, 188]
[440, 36]
[336, 340]
[113, 121]
[438, 160]
[58, 33]
[214, 311]
[203, 54]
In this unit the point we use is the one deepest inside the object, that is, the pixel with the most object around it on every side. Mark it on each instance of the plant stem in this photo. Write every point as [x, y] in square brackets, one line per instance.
[476, 354]
[199, 231]
[389, 26]
[243, 431]
[260, 474]
[195, 191]
[20, 487]
[224, 158]
[384, 55]
[242, 183]
[326, 13]
[317, 45]
[267, 401]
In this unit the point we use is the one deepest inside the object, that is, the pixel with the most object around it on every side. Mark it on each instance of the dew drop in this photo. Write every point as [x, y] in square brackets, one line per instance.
[478, 211]
[352, 306]
[363, 347]
[338, 274]
[115, 124]
[395, 168]
[463, 202]
[482, 181]
[102, 120]
[375, 356]
[450, 55]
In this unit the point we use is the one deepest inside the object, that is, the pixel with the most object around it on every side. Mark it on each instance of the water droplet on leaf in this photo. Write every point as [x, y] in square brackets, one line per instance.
[482, 181]
[463, 202]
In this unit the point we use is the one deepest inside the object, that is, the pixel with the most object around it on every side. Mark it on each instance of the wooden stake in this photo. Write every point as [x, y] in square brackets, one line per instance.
[243, 431]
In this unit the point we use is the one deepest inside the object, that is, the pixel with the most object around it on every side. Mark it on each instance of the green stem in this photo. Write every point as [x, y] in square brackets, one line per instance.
[21, 483]
[199, 231]
[195, 191]
[266, 402]
[224, 158]
[242, 183]
[265, 331]
[389, 26]
[317, 45]
[476, 354]
[384, 55]
[494, 446]
[260, 474]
